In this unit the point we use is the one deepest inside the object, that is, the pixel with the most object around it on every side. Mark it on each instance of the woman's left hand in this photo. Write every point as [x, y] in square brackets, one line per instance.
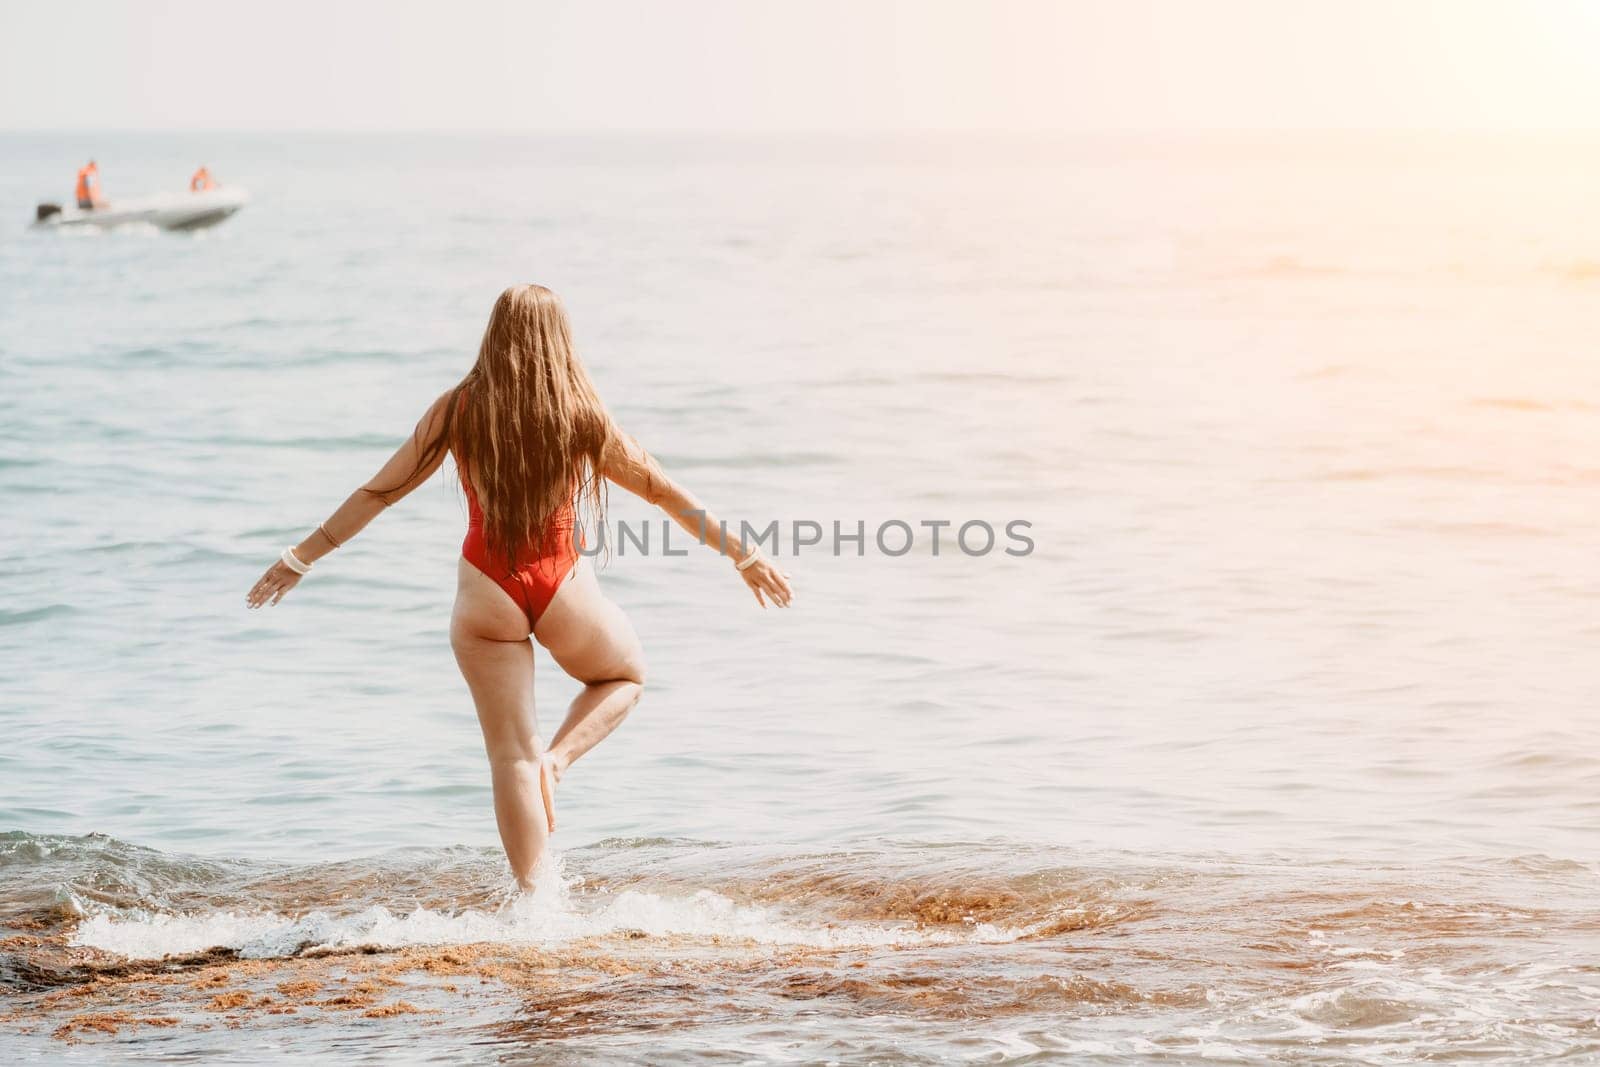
[270, 589]
[764, 578]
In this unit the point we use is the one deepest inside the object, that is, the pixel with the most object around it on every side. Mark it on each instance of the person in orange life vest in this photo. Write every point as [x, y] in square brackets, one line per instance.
[202, 181]
[88, 190]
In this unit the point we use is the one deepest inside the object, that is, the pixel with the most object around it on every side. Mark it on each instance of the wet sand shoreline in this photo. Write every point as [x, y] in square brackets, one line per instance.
[1345, 962]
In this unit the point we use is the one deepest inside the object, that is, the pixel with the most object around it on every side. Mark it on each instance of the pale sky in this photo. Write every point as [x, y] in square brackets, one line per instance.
[821, 65]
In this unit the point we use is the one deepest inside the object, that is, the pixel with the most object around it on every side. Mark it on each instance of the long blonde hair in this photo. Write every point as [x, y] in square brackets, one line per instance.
[526, 424]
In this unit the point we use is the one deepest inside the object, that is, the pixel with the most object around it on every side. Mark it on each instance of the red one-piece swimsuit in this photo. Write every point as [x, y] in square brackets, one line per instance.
[535, 571]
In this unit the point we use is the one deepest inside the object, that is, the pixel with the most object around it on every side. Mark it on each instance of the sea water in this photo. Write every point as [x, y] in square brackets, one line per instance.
[1279, 743]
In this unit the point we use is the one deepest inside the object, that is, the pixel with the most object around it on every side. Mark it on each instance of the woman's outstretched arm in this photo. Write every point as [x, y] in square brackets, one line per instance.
[412, 464]
[631, 467]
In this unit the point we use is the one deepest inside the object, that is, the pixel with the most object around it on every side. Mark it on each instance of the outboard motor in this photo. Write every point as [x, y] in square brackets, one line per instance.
[45, 211]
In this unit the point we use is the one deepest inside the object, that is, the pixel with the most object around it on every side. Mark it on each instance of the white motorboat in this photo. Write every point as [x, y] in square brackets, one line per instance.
[179, 211]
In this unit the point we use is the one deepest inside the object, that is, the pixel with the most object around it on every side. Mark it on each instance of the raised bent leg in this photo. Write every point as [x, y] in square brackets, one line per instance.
[591, 639]
[489, 634]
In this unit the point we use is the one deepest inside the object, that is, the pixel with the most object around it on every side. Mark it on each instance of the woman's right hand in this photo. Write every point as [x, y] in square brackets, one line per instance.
[767, 581]
[273, 585]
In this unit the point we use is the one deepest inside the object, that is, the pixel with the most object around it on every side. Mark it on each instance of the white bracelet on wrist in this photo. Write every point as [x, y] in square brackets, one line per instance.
[748, 562]
[293, 562]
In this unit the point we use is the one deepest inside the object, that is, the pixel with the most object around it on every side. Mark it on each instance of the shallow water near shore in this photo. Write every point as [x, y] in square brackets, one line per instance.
[1278, 747]
[907, 953]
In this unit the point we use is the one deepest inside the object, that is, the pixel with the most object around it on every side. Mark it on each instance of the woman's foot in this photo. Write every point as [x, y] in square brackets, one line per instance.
[548, 777]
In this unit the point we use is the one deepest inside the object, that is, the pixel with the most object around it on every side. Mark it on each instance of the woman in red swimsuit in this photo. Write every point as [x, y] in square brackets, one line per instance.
[532, 442]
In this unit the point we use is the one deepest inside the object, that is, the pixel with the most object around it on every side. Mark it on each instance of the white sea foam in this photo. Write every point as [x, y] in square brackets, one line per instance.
[552, 914]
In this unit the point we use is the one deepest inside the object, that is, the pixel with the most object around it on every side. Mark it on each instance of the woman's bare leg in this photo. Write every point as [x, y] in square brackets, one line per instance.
[489, 634]
[591, 639]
